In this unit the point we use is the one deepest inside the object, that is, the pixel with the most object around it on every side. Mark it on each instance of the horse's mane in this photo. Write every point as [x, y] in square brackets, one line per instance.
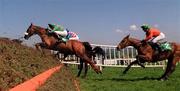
[40, 28]
[47, 31]
[135, 40]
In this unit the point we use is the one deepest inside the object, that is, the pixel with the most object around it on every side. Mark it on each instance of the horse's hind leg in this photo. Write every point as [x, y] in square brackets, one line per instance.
[129, 66]
[80, 67]
[141, 65]
[85, 71]
[88, 60]
[170, 68]
[81, 52]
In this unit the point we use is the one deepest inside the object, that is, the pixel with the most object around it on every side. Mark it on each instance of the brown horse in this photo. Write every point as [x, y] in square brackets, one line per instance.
[96, 50]
[90, 51]
[91, 54]
[147, 54]
[70, 47]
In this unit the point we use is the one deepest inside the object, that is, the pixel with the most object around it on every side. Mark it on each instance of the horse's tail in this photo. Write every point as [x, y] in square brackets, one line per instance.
[95, 50]
[99, 50]
[177, 50]
[87, 46]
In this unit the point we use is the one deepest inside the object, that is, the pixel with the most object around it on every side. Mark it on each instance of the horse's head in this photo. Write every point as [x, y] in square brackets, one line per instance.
[30, 31]
[34, 30]
[124, 43]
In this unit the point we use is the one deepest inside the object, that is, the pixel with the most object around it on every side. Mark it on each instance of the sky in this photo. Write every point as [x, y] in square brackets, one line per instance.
[95, 21]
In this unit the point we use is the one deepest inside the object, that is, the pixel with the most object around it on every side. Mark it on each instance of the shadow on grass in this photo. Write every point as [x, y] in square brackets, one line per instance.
[134, 79]
[128, 79]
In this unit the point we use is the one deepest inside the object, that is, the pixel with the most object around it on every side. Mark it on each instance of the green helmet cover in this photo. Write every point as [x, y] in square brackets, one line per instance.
[145, 27]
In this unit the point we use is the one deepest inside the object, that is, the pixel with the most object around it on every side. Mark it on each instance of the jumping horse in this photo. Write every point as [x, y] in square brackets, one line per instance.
[147, 54]
[91, 54]
[69, 48]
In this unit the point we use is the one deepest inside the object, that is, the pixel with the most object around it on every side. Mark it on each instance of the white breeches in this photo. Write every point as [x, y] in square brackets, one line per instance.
[158, 38]
[62, 33]
[74, 38]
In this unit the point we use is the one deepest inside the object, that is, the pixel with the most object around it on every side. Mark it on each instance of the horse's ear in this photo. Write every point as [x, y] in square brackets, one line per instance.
[31, 23]
[128, 36]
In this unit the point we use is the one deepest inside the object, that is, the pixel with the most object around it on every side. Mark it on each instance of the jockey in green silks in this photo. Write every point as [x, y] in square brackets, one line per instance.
[64, 33]
[155, 35]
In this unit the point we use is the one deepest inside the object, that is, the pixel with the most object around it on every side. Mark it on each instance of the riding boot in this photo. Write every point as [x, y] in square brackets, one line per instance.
[157, 47]
[153, 45]
[150, 43]
[59, 38]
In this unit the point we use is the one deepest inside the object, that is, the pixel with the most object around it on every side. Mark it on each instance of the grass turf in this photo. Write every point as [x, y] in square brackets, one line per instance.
[137, 79]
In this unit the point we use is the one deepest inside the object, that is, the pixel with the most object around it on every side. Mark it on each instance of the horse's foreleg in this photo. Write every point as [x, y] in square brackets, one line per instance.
[39, 46]
[129, 66]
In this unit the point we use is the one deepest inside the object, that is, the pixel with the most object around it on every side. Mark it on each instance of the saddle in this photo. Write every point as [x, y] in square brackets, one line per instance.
[58, 37]
[161, 46]
[166, 46]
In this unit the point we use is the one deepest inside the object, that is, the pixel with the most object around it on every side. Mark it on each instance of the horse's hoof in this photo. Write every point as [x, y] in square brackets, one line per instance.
[97, 71]
[100, 72]
[162, 79]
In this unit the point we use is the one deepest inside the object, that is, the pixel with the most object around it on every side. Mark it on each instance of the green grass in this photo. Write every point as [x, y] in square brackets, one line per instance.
[137, 79]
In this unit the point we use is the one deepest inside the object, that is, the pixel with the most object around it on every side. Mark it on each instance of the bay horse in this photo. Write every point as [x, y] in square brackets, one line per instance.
[147, 54]
[69, 48]
[96, 50]
[91, 54]
[90, 51]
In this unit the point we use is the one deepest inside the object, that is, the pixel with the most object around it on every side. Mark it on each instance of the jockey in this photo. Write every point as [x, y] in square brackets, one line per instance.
[64, 33]
[153, 35]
